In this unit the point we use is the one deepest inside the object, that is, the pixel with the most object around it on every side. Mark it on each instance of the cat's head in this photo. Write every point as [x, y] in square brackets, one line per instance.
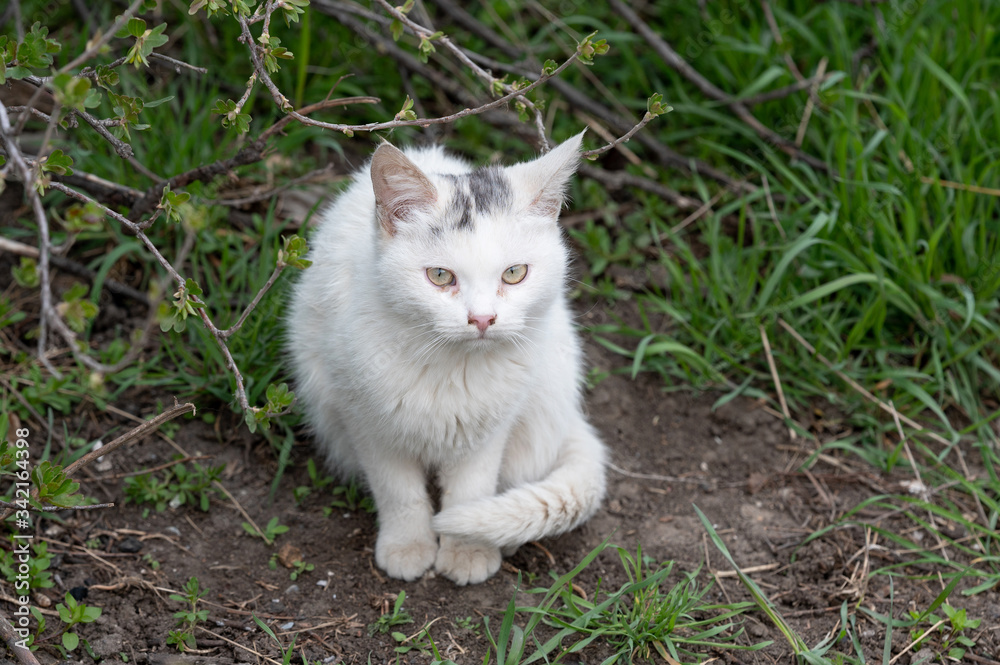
[474, 256]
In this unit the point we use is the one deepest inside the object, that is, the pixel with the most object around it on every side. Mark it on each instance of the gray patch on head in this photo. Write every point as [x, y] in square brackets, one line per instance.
[481, 192]
[490, 189]
[460, 210]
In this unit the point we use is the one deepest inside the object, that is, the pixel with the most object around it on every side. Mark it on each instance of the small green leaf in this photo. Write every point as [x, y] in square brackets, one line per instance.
[26, 274]
[171, 202]
[136, 27]
[655, 105]
[70, 641]
[396, 29]
[57, 162]
[71, 91]
[588, 48]
[293, 250]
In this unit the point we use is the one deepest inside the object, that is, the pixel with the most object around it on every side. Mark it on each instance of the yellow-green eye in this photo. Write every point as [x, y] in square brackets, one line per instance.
[515, 274]
[441, 276]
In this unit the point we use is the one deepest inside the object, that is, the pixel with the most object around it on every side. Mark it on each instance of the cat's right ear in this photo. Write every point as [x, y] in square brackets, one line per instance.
[400, 187]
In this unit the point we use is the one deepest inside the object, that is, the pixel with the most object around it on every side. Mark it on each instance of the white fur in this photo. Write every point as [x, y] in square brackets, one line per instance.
[397, 384]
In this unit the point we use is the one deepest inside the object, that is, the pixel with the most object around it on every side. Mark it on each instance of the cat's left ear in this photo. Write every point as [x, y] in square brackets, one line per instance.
[545, 179]
[400, 187]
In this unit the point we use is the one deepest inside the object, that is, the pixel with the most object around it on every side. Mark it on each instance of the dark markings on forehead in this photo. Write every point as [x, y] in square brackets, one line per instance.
[490, 189]
[461, 210]
[480, 192]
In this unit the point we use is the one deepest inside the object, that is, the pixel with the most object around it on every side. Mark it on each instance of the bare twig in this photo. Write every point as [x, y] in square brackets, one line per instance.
[773, 25]
[653, 476]
[675, 61]
[74, 268]
[270, 193]
[14, 153]
[777, 381]
[781, 93]
[770, 206]
[283, 102]
[486, 76]
[139, 432]
[95, 47]
[858, 387]
[800, 134]
[228, 332]
[56, 509]
[646, 119]
[253, 152]
[14, 641]
[176, 64]
[917, 641]
[697, 214]
[618, 179]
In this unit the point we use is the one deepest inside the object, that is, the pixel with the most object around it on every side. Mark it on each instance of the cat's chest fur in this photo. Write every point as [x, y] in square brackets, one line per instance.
[448, 406]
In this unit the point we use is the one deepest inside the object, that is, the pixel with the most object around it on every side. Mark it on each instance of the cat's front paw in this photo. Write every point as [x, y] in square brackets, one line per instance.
[405, 559]
[465, 562]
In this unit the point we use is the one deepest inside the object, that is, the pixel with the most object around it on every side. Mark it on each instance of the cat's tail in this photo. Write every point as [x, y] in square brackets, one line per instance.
[561, 501]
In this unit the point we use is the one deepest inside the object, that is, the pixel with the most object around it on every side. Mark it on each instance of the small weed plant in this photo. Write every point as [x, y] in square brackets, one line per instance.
[317, 483]
[351, 497]
[947, 632]
[644, 618]
[38, 575]
[271, 530]
[182, 637]
[397, 617]
[286, 652]
[72, 613]
[177, 487]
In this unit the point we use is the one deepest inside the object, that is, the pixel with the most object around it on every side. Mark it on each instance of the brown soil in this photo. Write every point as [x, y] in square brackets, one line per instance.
[670, 450]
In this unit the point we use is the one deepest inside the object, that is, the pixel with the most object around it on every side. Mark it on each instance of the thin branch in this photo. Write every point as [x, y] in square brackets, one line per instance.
[56, 509]
[486, 76]
[74, 268]
[580, 101]
[97, 45]
[123, 149]
[617, 179]
[470, 23]
[229, 332]
[777, 381]
[653, 476]
[709, 89]
[249, 154]
[858, 387]
[283, 102]
[138, 432]
[274, 191]
[800, 134]
[176, 64]
[781, 93]
[345, 14]
[135, 433]
[14, 153]
[646, 119]
[13, 640]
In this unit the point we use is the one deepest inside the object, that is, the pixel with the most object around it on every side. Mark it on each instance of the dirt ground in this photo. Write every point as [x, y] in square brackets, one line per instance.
[670, 450]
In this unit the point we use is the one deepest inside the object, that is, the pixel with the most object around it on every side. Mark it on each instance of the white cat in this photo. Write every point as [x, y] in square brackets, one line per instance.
[432, 335]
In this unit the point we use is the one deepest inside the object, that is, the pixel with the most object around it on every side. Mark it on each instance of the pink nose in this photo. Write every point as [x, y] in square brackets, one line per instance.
[482, 321]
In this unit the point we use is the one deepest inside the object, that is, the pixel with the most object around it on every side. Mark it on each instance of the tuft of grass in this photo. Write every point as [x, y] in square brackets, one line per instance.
[644, 618]
[396, 617]
[177, 487]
